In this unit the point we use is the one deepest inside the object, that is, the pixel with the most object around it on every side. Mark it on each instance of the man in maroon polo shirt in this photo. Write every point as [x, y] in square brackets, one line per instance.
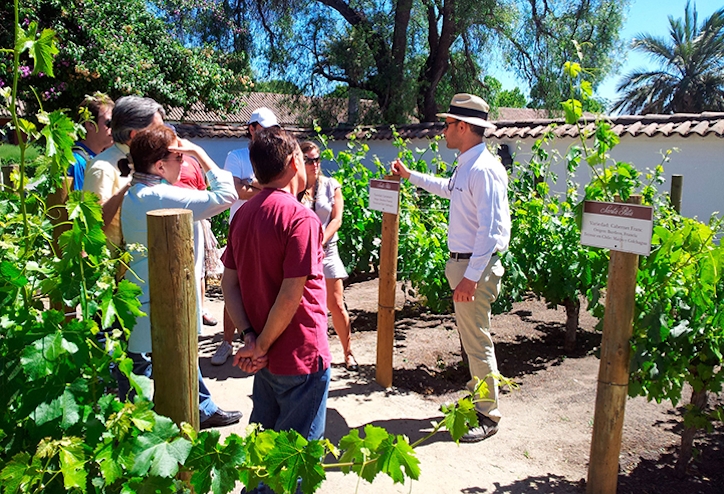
[273, 282]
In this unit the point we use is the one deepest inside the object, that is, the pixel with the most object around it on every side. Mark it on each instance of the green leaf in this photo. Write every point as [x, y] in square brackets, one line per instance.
[11, 274]
[459, 417]
[294, 457]
[157, 456]
[358, 450]
[215, 465]
[72, 463]
[399, 456]
[572, 69]
[106, 458]
[573, 111]
[43, 51]
[12, 476]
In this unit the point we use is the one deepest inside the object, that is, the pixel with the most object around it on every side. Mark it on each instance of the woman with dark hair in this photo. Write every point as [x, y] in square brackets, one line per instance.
[324, 196]
[157, 155]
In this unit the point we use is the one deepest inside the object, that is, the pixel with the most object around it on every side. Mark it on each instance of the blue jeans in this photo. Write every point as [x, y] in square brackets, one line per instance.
[297, 403]
[142, 367]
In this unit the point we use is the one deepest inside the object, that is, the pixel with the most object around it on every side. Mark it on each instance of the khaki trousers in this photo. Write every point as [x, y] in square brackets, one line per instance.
[473, 322]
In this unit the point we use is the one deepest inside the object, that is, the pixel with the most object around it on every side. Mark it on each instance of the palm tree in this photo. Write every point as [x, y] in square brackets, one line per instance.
[691, 74]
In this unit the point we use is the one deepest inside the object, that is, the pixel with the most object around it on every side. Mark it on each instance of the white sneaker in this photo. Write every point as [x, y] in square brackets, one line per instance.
[222, 353]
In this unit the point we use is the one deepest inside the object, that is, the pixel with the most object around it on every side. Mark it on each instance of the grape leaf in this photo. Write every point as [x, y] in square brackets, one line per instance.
[155, 454]
[395, 457]
[72, 463]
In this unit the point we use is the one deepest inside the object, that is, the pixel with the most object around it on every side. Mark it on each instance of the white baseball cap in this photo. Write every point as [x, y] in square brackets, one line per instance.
[264, 117]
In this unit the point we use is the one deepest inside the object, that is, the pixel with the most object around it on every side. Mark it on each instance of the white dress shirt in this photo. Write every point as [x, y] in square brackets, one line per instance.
[479, 212]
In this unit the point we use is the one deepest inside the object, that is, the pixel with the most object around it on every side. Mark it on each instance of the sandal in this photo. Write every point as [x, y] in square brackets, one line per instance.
[208, 319]
[350, 363]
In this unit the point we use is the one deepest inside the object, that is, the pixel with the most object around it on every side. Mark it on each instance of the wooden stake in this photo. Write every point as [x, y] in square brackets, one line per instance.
[7, 171]
[59, 218]
[58, 213]
[677, 186]
[172, 288]
[386, 305]
[613, 371]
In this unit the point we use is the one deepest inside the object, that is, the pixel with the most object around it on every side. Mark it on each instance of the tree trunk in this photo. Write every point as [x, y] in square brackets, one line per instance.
[573, 309]
[699, 401]
[438, 60]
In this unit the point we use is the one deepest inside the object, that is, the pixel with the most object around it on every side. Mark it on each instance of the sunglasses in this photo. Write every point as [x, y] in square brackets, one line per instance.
[311, 161]
[108, 123]
[448, 124]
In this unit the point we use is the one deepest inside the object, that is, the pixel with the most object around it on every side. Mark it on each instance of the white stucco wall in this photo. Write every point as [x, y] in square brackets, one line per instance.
[699, 159]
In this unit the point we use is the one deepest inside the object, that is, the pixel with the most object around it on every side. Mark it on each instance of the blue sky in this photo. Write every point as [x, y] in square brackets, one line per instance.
[644, 16]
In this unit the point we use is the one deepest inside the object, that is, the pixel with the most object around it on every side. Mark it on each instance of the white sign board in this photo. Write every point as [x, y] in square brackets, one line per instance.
[385, 195]
[617, 226]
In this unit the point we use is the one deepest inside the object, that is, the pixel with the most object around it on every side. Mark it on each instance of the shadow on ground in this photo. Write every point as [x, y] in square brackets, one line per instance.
[518, 354]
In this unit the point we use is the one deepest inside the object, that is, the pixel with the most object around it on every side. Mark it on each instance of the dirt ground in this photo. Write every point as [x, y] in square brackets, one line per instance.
[543, 444]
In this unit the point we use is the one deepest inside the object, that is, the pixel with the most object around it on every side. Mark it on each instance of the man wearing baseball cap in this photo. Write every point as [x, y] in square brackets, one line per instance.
[479, 229]
[238, 163]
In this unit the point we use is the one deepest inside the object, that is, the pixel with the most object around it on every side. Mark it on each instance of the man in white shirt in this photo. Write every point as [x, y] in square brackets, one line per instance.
[479, 229]
[239, 164]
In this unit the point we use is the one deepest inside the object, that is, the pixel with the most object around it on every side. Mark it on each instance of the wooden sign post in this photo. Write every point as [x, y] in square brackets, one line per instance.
[613, 371]
[174, 339]
[385, 196]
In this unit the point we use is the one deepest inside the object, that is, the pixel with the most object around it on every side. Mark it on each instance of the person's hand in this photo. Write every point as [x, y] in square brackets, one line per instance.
[465, 291]
[249, 357]
[397, 167]
[186, 147]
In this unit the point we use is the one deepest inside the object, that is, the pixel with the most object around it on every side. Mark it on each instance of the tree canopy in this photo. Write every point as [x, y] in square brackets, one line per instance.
[690, 76]
[119, 47]
[406, 52]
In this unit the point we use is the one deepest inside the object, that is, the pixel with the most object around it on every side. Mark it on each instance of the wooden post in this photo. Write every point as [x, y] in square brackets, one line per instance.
[58, 215]
[7, 170]
[386, 305]
[172, 290]
[613, 371]
[677, 186]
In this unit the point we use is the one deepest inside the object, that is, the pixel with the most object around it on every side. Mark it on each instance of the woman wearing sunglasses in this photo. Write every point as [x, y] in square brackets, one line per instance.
[324, 196]
[157, 156]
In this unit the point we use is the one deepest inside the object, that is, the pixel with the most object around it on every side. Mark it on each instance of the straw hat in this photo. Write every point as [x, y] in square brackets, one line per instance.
[469, 108]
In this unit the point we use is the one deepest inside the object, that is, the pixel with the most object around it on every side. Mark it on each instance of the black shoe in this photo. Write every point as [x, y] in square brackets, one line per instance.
[486, 428]
[221, 418]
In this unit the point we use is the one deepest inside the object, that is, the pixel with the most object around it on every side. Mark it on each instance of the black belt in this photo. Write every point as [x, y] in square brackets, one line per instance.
[457, 256]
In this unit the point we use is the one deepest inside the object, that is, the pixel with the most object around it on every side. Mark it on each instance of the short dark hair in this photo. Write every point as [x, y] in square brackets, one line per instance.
[95, 103]
[477, 130]
[151, 145]
[269, 153]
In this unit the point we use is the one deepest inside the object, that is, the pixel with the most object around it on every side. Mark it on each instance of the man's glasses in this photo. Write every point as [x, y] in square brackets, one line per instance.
[448, 124]
[311, 161]
[108, 123]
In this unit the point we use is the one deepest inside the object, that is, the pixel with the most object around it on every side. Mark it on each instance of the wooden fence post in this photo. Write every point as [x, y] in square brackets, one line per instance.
[677, 186]
[7, 171]
[59, 218]
[613, 372]
[172, 289]
[387, 289]
[58, 213]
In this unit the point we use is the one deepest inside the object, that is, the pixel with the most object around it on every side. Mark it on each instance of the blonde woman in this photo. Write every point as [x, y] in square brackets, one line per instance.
[324, 196]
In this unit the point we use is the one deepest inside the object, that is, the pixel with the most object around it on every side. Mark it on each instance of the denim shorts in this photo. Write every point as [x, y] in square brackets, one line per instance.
[297, 403]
